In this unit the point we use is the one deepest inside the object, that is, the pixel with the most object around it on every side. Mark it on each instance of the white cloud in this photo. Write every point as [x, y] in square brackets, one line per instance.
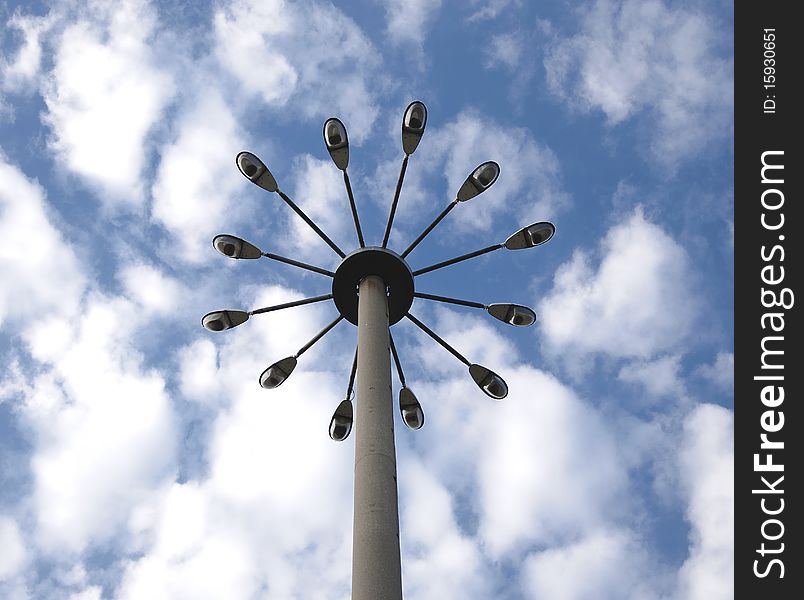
[706, 467]
[199, 371]
[104, 428]
[521, 465]
[21, 72]
[309, 53]
[505, 50]
[721, 372]
[537, 484]
[91, 593]
[410, 21]
[660, 377]
[35, 261]
[636, 57]
[221, 569]
[490, 9]
[104, 96]
[638, 301]
[154, 291]
[197, 180]
[605, 565]
[433, 543]
[257, 523]
[14, 555]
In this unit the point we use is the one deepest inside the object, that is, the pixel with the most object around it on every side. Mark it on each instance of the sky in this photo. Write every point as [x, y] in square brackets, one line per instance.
[139, 456]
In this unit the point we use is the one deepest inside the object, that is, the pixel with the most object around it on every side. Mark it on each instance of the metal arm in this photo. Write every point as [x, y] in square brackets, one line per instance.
[296, 263]
[309, 221]
[458, 259]
[354, 208]
[394, 203]
[450, 300]
[396, 360]
[351, 385]
[430, 227]
[433, 335]
[290, 304]
[317, 337]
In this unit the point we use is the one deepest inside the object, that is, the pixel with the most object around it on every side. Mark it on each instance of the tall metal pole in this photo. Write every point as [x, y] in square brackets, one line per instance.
[376, 566]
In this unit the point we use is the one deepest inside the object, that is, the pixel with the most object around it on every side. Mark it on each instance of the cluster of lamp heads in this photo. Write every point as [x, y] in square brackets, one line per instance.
[337, 143]
[340, 426]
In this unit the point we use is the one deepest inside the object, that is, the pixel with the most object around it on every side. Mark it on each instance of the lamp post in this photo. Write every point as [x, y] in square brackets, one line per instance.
[373, 288]
[376, 568]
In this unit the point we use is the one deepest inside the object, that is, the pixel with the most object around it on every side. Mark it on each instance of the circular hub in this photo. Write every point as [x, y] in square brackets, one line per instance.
[383, 263]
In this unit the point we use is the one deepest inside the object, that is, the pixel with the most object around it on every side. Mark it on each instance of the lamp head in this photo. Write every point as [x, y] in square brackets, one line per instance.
[488, 381]
[337, 142]
[531, 236]
[341, 424]
[513, 314]
[275, 375]
[235, 247]
[255, 171]
[413, 123]
[220, 320]
[481, 179]
[411, 410]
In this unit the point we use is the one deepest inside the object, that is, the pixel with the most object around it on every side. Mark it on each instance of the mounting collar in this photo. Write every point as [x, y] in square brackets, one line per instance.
[385, 264]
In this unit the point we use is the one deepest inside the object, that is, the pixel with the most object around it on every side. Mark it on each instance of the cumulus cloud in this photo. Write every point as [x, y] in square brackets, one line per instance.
[104, 95]
[20, 73]
[197, 182]
[605, 565]
[720, 372]
[103, 426]
[433, 542]
[659, 378]
[504, 50]
[35, 260]
[641, 58]
[154, 291]
[410, 21]
[634, 300]
[14, 554]
[100, 424]
[255, 522]
[521, 465]
[309, 52]
[199, 372]
[490, 9]
[94, 592]
[537, 483]
[706, 466]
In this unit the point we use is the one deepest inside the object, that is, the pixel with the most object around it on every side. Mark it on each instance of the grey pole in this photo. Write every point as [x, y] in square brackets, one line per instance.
[376, 566]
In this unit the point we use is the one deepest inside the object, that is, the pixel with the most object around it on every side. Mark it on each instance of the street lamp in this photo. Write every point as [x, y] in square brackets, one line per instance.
[340, 426]
[253, 168]
[374, 288]
[413, 123]
[224, 319]
[481, 179]
[234, 247]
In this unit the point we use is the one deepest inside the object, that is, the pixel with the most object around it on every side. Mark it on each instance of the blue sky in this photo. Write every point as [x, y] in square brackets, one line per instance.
[141, 459]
